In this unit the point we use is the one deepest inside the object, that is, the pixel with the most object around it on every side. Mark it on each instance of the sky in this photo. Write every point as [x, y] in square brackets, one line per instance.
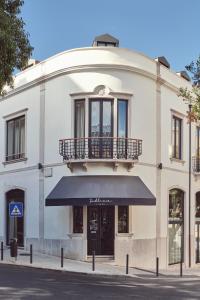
[167, 28]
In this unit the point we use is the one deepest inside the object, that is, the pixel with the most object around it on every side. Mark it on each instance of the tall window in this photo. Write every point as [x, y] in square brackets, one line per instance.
[197, 227]
[198, 142]
[122, 118]
[78, 219]
[100, 128]
[176, 225]
[122, 128]
[79, 127]
[15, 148]
[123, 219]
[176, 137]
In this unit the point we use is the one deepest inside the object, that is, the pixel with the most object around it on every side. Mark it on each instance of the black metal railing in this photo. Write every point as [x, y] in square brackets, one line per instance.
[100, 148]
[196, 164]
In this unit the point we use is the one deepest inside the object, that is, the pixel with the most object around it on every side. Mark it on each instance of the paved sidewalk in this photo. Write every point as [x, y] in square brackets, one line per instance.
[105, 268]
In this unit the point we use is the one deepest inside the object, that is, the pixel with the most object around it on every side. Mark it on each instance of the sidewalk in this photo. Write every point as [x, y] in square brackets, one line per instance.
[109, 268]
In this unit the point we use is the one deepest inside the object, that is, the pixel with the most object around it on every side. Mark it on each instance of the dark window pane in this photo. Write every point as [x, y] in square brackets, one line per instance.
[79, 118]
[15, 138]
[197, 205]
[79, 129]
[198, 142]
[123, 219]
[176, 204]
[78, 219]
[176, 138]
[122, 118]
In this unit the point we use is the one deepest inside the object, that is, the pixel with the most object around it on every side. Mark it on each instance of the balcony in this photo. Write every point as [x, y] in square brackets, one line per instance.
[196, 164]
[100, 149]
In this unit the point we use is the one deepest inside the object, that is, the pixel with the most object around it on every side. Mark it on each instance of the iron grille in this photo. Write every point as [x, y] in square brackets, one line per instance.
[100, 148]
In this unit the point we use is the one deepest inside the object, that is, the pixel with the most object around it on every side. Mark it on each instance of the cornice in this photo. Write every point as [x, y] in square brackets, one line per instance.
[75, 69]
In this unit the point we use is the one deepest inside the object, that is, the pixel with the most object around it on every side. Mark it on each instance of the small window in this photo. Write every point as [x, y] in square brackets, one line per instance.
[15, 131]
[176, 137]
[77, 219]
[123, 219]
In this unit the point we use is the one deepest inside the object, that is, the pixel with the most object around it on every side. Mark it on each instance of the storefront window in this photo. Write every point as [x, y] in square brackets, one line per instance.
[123, 219]
[175, 225]
[77, 219]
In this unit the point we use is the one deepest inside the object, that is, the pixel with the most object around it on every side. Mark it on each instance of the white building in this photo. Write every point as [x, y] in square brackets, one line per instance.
[100, 136]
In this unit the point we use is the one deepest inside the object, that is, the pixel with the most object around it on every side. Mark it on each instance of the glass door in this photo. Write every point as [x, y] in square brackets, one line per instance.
[101, 128]
[100, 230]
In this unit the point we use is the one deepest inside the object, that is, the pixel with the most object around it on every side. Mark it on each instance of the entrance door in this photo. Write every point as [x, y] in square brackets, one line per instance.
[100, 220]
[15, 195]
[101, 128]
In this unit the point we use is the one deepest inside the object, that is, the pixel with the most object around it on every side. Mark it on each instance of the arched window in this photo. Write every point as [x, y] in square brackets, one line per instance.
[176, 225]
[14, 227]
[197, 227]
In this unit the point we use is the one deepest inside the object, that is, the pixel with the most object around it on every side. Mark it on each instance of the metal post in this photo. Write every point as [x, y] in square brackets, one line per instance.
[93, 260]
[1, 250]
[31, 253]
[127, 258]
[181, 268]
[189, 191]
[157, 266]
[61, 263]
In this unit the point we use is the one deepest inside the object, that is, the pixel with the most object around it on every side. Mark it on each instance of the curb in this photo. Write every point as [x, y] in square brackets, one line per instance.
[119, 276]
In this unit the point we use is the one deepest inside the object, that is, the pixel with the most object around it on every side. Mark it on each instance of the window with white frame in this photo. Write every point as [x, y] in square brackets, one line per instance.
[176, 137]
[15, 138]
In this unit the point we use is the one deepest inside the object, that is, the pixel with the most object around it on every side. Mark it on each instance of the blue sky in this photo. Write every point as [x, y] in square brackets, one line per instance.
[154, 27]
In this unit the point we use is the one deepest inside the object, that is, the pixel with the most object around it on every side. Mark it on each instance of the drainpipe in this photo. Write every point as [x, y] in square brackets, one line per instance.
[189, 190]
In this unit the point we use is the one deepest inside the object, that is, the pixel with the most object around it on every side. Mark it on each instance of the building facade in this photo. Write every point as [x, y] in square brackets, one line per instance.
[94, 143]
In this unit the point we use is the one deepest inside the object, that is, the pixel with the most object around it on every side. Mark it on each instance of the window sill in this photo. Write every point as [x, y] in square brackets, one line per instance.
[75, 235]
[128, 235]
[181, 161]
[14, 161]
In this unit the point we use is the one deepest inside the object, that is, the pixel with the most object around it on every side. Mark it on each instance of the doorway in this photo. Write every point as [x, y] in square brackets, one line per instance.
[15, 195]
[100, 230]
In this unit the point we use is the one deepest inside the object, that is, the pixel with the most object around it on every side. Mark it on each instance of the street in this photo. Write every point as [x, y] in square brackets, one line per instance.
[30, 283]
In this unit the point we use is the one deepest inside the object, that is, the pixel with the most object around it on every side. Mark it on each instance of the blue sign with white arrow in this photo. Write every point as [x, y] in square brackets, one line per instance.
[16, 209]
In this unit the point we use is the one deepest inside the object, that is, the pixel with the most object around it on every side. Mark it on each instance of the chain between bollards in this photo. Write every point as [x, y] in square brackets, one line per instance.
[127, 260]
[1, 250]
[93, 260]
[31, 253]
[62, 260]
[157, 266]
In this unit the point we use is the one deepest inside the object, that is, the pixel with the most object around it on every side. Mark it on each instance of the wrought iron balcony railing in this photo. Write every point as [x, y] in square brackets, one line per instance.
[100, 148]
[196, 164]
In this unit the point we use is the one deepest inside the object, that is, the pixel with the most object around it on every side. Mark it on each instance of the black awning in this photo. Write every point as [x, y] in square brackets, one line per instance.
[100, 190]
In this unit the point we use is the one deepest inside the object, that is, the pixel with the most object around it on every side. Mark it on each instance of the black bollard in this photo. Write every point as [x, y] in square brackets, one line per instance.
[181, 268]
[31, 253]
[61, 263]
[1, 250]
[127, 259]
[157, 266]
[93, 260]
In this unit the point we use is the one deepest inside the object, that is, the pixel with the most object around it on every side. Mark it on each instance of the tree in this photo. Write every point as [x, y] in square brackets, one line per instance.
[15, 49]
[193, 96]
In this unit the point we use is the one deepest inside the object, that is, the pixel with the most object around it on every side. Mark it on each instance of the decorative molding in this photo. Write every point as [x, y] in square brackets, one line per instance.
[16, 113]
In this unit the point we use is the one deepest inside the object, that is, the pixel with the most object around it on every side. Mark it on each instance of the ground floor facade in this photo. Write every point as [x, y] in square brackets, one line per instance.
[112, 231]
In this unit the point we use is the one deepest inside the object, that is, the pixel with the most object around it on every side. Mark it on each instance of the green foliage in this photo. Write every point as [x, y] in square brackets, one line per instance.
[15, 48]
[193, 96]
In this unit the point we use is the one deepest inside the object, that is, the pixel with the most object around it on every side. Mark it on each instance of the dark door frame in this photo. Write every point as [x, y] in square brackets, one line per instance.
[96, 240]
